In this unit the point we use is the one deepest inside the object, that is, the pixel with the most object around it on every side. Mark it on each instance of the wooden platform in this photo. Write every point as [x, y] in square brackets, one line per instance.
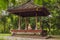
[26, 31]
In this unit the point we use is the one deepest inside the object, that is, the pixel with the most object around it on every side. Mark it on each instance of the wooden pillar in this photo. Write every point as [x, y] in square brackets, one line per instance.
[19, 23]
[26, 24]
[40, 23]
[36, 22]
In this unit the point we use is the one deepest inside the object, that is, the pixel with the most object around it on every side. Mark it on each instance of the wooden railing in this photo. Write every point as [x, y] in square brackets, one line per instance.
[26, 30]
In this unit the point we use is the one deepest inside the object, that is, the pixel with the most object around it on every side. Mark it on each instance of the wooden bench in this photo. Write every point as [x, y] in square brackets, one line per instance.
[26, 31]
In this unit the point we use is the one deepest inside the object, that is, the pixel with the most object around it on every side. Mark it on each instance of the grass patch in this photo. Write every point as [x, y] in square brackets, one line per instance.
[5, 34]
[2, 39]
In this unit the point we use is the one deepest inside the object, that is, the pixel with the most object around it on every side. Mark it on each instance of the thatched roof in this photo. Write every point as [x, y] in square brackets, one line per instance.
[29, 9]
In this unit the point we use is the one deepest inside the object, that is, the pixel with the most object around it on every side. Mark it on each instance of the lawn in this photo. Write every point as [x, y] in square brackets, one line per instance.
[5, 34]
[2, 36]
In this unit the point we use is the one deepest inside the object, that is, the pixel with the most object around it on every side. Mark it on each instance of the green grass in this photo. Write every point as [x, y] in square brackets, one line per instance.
[5, 34]
[2, 39]
[2, 36]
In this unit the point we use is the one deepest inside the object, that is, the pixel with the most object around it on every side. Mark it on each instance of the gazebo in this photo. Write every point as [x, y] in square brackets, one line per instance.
[29, 9]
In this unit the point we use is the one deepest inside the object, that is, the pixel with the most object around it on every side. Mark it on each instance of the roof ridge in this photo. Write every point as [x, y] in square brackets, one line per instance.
[29, 1]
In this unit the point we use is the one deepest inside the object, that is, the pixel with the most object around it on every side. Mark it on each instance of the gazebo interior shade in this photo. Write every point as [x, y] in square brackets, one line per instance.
[29, 9]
